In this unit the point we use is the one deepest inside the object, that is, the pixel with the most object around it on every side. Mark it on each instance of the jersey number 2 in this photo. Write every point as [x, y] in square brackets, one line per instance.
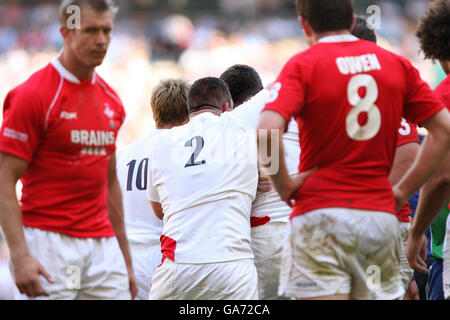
[200, 143]
[370, 129]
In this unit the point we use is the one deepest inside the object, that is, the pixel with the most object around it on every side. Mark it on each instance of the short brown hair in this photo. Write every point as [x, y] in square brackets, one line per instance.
[327, 15]
[207, 93]
[433, 31]
[363, 31]
[243, 82]
[169, 102]
[97, 5]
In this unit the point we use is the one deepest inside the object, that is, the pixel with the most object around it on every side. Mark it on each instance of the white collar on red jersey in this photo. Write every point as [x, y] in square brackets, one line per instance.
[66, 74]
[338, 38]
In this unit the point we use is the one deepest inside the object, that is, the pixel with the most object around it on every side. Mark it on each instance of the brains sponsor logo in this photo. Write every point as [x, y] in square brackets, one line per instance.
[93, 140]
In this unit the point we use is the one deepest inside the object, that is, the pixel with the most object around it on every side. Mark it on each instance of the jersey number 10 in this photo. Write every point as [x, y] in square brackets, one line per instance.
[141, 176]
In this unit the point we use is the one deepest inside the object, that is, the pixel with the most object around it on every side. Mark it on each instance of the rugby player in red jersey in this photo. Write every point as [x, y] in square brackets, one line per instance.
[408, 146]
[67, 238]
[434, 40]
[348, 96]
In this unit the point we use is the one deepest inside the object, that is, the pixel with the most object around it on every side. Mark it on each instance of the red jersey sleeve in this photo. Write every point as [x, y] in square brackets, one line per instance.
[288, 92]
[23, 124]
[407, 133]
[421, 103]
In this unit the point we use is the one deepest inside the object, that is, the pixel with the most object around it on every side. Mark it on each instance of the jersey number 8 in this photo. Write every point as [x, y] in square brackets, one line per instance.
[370, 129]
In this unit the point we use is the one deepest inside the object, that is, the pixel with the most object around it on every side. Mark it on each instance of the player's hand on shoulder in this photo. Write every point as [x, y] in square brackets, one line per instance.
[26, 274]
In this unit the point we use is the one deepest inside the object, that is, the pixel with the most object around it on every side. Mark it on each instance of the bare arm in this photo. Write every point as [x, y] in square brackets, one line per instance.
[26, 269]
[433, 197]
[431, 156]
[434, 150]
[116, 216]
[271, 156]
[157, 209]
[404, 158]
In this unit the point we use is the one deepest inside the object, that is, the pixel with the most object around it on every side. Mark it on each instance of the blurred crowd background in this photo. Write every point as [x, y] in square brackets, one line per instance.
[159, 39]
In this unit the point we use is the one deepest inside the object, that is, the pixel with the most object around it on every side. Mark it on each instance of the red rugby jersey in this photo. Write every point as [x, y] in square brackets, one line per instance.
[349, 96]
[407, 133]
[66, 129]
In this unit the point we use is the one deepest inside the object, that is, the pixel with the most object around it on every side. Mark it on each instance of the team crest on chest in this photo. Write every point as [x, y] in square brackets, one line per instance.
[108, 112]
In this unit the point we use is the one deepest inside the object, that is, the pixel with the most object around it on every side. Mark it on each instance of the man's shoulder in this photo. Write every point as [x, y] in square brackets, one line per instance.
[39, 82]
[41, 87]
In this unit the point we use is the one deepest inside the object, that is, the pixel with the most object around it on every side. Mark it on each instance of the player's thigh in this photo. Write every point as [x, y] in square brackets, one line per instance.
[406, 272]
[106, 275]
[146, 258]
[162, 284]
[233, 280]
[267, 246]
[242, 282]
[59, 255]
[376, 269]
[314, 262]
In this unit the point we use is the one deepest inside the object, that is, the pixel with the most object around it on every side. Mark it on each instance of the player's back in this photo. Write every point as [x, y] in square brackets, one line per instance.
[205, 176]
[349, 95]
[132, 165]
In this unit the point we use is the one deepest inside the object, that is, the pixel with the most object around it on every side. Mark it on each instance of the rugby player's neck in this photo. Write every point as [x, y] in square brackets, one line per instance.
[75, 67]
[170, 125]
[318, 36]
[214, 111]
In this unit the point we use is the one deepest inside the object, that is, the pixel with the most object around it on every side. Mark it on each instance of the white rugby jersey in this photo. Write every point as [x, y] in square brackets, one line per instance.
[132, 164]
[205, 176]
[268, 206]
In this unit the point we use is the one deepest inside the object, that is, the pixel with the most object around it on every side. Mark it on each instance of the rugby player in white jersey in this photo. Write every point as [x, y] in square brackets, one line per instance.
[169, 107]
[202, 181]
[269, 215]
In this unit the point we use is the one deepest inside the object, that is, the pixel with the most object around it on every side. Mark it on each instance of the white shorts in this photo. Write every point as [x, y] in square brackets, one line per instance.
[267, 245]
[338, 251]
[146, 258]
[406, 272]
[232, 280]
[446, 266]
[82, 269]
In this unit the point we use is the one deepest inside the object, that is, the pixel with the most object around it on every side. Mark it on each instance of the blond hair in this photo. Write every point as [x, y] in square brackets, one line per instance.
[169, 102]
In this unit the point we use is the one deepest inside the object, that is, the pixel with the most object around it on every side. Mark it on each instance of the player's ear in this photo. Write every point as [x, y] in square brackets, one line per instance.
[227, 107]
[353, 22]
[305, 26]
[65, 32]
